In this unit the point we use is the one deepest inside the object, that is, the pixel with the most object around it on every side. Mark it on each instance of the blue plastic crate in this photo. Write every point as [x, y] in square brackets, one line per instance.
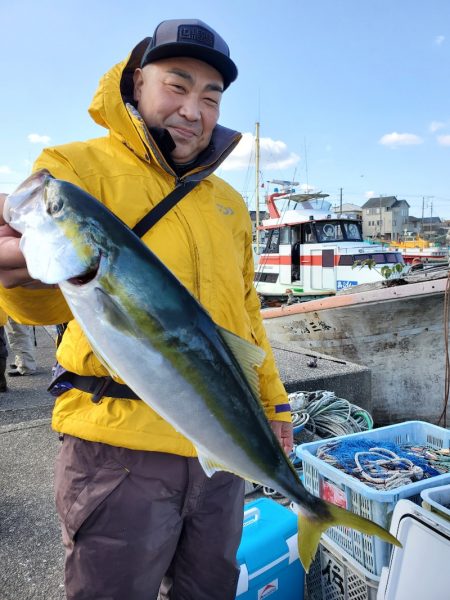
[325, 481]
[268, 555]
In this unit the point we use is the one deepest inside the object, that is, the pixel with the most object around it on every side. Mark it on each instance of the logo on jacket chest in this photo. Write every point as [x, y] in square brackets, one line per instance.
[225, 210]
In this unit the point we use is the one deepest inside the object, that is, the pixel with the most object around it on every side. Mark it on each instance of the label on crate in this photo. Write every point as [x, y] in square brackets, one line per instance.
[333, 576]
[332, 493]
[268, 589]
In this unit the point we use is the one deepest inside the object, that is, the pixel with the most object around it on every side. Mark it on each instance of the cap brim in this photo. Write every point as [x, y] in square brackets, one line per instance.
[219, 61]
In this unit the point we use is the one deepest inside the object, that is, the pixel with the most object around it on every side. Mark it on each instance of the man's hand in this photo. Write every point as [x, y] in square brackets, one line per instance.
[285, 435]
[13, 269]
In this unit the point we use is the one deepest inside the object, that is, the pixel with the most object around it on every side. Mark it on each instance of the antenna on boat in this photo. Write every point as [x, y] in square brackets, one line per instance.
[257, 185]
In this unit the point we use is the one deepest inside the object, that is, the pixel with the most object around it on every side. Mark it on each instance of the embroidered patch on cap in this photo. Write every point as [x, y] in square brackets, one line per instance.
[195, 33]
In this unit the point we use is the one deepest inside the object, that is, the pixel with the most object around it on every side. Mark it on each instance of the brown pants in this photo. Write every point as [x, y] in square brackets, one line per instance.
[129, 518]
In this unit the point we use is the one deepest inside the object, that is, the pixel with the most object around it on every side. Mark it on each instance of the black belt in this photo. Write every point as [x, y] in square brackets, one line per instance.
[97, 386]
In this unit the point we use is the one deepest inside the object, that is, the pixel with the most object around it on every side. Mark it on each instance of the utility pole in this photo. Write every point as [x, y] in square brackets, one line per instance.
[423, 211]
[340, 203]
[257, 185]
[381, 220]
[431, 215]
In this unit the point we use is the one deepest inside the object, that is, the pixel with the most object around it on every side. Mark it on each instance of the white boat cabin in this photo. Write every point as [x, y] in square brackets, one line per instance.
[311, 252]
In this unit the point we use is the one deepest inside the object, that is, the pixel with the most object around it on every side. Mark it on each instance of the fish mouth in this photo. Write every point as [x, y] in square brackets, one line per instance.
[87, 277]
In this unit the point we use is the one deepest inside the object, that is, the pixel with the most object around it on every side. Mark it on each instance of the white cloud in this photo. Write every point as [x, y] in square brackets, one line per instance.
[443, 140]
[35, 138]
[438, 40]
[370, 194]
[5, 170]
[436, 125]
[273, 154]
[395, 139]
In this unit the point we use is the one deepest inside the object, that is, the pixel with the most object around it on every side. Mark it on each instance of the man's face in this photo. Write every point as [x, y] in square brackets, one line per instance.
[183, 96]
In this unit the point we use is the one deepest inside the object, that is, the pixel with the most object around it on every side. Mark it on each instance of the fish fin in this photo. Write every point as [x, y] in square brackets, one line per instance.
[113, 312]
[311, 528]
[209, 465]
[248, 355]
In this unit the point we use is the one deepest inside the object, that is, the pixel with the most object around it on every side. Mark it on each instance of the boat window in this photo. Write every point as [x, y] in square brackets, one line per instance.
[327, 258]
[329, 231]
[352, 231]
[273, 242]
[285, 237]
[308, 236]
[393, 257]
[346, 260]
[378, 257]
[265, 277]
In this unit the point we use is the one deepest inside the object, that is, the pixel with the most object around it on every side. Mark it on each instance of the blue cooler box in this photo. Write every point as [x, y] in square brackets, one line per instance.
[268, 555]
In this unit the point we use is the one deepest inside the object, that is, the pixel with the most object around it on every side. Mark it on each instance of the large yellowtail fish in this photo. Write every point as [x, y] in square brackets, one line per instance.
[140, 319]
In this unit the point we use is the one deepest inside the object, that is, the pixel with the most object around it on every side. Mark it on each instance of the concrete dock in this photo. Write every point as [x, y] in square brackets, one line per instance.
[31, 554]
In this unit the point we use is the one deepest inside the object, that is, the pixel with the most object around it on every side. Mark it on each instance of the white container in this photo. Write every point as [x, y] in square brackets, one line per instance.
[437, 499]
[420, 570]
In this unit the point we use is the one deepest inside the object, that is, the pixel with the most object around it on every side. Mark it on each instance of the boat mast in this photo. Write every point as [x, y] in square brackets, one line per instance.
[257, 185]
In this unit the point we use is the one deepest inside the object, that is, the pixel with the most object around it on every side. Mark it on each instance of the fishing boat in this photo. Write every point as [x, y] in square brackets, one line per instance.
[399, 329]
[420, 251]
[311, 252]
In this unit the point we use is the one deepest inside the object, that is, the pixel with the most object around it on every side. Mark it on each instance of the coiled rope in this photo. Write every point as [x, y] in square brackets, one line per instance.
[323, 414]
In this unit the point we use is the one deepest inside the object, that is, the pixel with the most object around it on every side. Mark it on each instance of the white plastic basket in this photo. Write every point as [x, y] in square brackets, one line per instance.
[323, 480]
[334, 575]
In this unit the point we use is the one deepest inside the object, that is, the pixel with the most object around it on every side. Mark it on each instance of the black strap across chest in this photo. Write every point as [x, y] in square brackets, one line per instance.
[163, 207]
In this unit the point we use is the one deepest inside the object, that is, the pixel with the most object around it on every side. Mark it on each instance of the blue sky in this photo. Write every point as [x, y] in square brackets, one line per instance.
[351, 94]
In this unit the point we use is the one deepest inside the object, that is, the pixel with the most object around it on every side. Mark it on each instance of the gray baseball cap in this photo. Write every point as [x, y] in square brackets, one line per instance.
[193, 38]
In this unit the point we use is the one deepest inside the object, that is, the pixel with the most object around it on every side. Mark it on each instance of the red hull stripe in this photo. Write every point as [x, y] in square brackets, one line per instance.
[307, 261]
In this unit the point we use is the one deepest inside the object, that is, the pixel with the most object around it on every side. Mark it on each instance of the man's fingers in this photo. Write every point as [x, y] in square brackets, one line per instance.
[15, 277]
[2, 202]
[11, 256]
[7, 231]
[284, 432]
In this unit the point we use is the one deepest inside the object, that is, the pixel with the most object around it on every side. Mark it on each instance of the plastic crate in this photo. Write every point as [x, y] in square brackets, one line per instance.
[437, 499]
[327, 482]
[333, 575]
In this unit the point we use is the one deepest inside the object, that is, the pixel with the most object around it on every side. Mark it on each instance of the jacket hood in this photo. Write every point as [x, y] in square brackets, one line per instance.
[113, 108]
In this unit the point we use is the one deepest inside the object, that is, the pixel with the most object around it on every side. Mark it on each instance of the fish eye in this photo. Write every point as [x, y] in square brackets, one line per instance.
[55, 206]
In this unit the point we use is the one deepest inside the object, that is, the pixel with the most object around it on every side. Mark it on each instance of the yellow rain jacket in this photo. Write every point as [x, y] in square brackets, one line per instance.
[206, 241]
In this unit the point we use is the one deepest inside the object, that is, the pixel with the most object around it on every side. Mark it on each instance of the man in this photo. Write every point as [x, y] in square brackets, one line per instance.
[134, 503]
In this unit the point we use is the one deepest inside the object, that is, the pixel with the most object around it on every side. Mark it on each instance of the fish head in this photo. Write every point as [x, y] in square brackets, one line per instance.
[58, 241]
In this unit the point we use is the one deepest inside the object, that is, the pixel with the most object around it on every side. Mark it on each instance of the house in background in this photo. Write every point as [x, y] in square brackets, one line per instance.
[413, 227]
[432, 227]
[385, 218]
[351, 210]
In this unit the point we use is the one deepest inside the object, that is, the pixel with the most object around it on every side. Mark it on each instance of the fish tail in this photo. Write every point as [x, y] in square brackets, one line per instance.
[310, 528]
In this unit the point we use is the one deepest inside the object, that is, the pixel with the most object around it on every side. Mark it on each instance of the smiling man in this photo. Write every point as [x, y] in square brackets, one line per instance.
[181, 95]
[140, 519]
